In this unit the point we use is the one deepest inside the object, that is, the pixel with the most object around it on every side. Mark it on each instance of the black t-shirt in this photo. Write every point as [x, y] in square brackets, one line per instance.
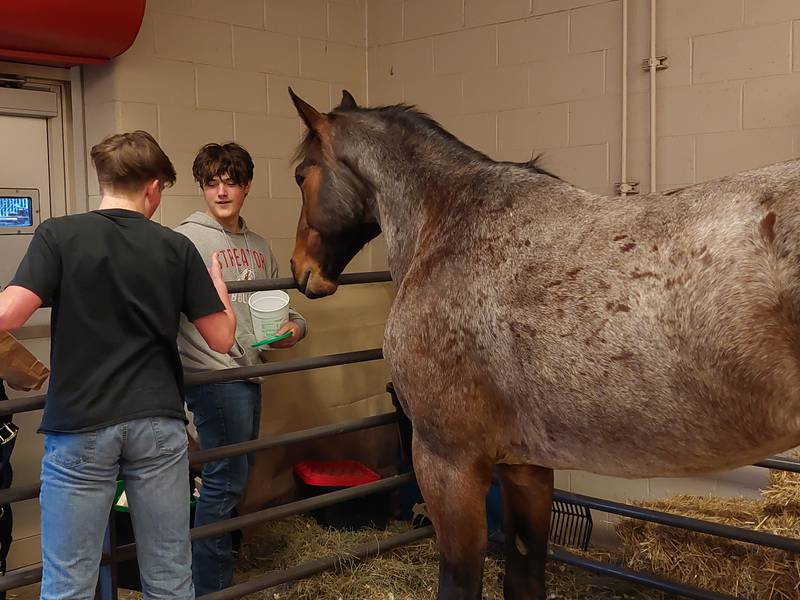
[117, 283]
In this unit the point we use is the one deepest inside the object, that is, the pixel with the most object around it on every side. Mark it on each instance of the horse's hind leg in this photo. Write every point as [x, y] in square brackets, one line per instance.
[527, 501]
[455, 490]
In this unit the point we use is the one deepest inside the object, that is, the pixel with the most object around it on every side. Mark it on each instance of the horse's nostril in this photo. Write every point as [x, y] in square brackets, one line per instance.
[303, 283]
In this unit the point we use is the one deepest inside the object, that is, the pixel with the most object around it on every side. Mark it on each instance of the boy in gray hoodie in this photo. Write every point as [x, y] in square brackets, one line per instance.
[226, 413]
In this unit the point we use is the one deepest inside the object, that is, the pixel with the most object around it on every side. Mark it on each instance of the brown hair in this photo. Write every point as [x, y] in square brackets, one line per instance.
[126, 162]
[215, 160]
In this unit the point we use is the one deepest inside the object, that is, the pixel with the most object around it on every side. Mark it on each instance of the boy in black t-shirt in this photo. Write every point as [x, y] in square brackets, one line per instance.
[117, 283]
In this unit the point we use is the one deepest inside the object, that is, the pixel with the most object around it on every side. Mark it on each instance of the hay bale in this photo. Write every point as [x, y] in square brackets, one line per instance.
[736, 568]
[783, 492]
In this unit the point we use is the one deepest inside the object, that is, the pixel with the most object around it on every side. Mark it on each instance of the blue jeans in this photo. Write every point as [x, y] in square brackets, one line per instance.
[224, 413]
[79, 473]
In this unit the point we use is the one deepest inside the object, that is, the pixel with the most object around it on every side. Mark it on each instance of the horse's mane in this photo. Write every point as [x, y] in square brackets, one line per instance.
[409, 116]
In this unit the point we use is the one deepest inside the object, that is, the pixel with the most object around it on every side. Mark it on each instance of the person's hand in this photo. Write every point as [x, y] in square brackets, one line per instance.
[292, 339]
[216, 268]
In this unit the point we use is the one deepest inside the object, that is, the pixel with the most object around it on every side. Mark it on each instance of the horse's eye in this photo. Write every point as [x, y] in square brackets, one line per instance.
[299, 179]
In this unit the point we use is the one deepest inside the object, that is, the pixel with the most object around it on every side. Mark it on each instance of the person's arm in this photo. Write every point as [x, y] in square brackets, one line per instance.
[35, 282]
[17, 304]
[218, 329]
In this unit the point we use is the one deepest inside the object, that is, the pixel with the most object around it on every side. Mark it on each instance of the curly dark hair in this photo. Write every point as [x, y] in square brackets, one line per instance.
[217, 160]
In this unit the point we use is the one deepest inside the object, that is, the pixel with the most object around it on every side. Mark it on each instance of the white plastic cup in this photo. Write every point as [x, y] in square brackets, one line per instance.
[269, 311]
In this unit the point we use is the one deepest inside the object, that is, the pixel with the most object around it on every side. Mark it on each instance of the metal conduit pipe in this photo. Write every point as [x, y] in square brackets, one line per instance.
[624, 140]
[653, 68]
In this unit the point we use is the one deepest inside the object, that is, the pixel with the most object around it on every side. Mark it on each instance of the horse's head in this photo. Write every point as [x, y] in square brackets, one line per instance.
[337, 217]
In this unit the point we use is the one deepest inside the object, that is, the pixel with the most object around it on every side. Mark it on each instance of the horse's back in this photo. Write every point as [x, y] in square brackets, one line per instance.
[609, 328]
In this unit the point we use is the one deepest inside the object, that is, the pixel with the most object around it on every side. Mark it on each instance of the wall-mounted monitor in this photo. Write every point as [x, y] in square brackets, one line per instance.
[19, 210]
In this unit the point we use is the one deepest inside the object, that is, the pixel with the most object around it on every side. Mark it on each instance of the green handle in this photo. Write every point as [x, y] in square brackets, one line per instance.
[273, 339]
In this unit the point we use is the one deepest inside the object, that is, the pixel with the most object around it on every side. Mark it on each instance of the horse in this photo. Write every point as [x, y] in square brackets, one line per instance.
[537, 326]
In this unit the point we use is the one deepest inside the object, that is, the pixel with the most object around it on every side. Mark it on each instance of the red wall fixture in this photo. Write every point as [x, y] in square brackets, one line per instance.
[67, 32]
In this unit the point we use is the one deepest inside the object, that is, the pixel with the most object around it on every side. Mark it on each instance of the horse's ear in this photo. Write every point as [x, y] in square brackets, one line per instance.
[310, 115]
[347, 100]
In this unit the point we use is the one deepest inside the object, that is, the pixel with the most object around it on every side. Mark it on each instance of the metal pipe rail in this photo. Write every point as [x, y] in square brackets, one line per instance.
[32, 403]
[287, 283]
[367, 550]
[21, 405]
[11, 407]
[290, 509]
[286, 439]
[19, 493]
[637, 577]
[28, 492]
[314, 567]
[32, 574]
[780, 463]
[284, 366]
[690, 524]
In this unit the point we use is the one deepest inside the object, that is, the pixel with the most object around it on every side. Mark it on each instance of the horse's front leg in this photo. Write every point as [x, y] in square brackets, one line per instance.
[527, 502]
[454, 488]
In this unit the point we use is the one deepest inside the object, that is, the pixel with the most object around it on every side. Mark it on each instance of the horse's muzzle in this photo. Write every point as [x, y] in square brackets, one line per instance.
[302, 283]
[311, 282]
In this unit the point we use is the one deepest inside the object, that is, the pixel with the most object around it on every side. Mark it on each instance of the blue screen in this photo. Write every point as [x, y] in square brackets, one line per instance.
[16, 211]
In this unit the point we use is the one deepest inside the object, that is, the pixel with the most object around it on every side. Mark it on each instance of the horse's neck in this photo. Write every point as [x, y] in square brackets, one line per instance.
[401, 222]
[407, 211]
[418, 184]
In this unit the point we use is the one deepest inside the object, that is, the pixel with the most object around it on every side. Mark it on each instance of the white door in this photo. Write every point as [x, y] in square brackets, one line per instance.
[29, 122]
[24, 163]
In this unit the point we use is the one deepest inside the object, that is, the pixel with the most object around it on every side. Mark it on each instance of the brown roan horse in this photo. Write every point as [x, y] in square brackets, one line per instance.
[537, 326]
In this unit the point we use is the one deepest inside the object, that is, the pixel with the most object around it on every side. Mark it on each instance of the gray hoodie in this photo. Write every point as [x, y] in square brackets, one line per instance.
[243, 256]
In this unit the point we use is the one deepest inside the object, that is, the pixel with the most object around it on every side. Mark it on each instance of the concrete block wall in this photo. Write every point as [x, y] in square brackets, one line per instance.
[203, 71]
[518, 77]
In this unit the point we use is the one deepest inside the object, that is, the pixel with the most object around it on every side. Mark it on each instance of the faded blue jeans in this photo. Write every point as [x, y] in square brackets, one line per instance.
[79, 473]
[224, 413]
